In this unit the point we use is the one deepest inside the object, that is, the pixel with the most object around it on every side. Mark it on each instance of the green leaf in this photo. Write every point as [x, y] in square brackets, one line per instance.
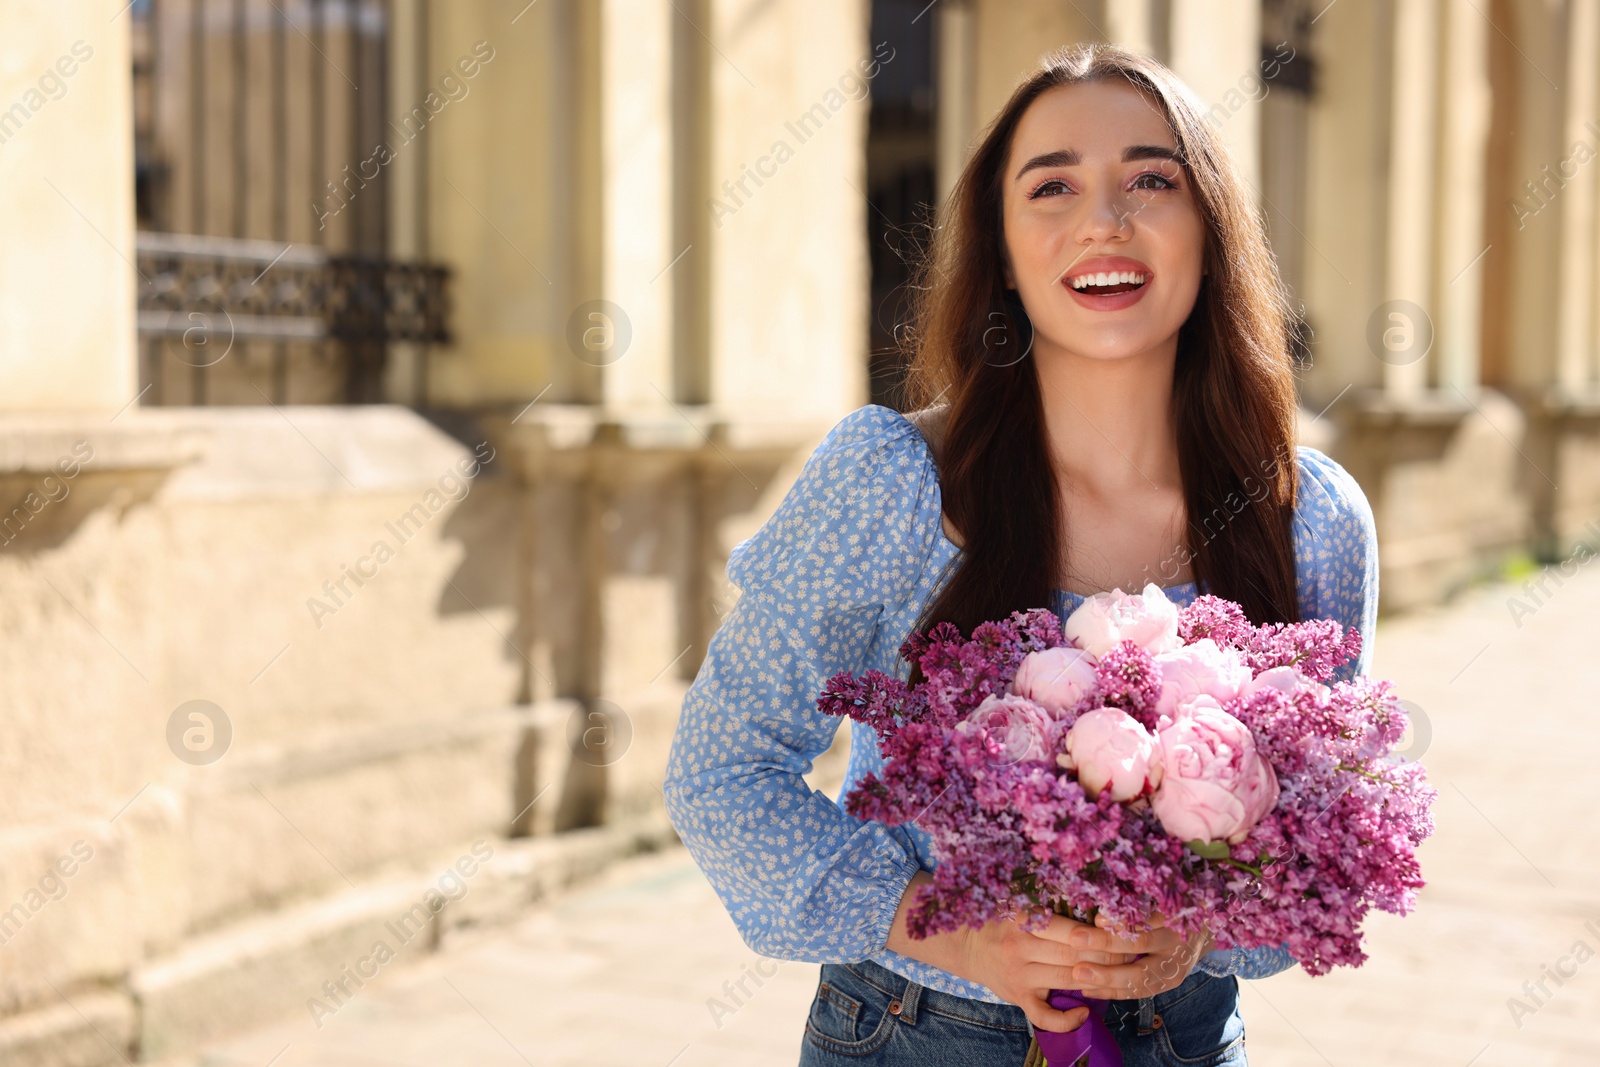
[1209, 850]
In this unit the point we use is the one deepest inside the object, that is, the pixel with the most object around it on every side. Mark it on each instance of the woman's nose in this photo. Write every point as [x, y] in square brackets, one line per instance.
[1107, 214]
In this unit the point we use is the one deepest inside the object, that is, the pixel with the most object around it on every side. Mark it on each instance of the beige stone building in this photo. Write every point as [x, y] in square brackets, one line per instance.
[382, 385]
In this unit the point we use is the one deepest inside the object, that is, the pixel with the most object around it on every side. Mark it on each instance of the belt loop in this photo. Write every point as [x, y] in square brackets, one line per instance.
[1147, 1015]
[908, 1002]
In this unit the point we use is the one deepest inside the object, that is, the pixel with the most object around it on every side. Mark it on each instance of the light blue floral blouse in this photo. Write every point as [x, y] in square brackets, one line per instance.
[834, 581]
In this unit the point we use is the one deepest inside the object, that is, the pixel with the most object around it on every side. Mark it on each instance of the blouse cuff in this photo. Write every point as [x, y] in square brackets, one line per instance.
[905, 869]
[1246, 963]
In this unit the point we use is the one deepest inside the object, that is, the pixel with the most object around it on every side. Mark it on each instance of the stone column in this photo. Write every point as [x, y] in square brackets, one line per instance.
[1413, 129]
[1575, 330]
[1464, 103]
[67, 276]
[956, 117]
[636, 193]
[1346, 193]
[1013, 34]
[404, 375]
[1540, 324]
[511, 195]
[1216, 50]
[1133, 24]
[789, 268]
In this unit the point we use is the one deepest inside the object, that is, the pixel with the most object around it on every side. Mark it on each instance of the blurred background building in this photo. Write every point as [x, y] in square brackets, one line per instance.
[392, 379]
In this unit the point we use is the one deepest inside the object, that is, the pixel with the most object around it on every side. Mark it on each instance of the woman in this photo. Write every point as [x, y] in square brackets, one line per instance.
[1102, 359]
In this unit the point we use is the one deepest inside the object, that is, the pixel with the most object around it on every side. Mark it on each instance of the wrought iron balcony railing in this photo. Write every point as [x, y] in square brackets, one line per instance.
[199, 296]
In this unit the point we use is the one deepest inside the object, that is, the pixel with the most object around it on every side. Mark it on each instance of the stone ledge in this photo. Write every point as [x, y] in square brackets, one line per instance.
[1434, 407]
[1566, 404]
[260, 453]
[270, 966]
[527, 870]
[561, 440]
[90, 1030]
[64, 912]
[32, 444]
[336, 749]
[1442, 471]
[228, 453]
[243, 826]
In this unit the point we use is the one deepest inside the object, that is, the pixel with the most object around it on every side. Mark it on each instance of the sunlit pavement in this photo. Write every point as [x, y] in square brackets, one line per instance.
[642, 968]
[1513, 868]
[645, 967]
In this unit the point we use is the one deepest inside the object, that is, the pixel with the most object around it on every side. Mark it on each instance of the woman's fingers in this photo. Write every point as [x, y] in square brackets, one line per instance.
[1060, 929]
[1050, 975]
[1058, 955]
[1091, 939]
[1044, 1017]
[1122, 979]
[1060, 976]
[1143, 977]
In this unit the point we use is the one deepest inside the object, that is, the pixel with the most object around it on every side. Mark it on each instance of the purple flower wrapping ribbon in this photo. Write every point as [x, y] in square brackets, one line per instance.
[1091, 1043]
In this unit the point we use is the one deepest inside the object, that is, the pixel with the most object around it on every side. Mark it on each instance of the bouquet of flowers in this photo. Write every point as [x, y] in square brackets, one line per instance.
[1141, 759]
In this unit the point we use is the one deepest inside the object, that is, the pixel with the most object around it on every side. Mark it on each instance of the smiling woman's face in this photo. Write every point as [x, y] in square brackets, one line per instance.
[1104, 237]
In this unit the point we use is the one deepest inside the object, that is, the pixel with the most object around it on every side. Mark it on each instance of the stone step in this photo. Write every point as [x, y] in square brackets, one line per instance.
[313, 956]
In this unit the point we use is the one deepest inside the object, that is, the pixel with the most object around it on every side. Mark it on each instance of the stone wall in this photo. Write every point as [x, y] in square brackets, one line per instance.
[480, 639]
[358, 729]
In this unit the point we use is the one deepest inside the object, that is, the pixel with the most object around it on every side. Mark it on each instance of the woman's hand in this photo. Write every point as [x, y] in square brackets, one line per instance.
[1021, 966]
[1161, 961]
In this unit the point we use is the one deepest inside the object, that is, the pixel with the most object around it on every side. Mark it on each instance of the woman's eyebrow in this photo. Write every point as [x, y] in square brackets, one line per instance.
[1069, 157]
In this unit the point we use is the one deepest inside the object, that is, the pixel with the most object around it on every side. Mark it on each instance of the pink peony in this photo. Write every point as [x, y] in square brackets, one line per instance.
[1200, 668]
[1024, 730]
[1105, 620]
[1215, 786]
[1284, 679]
[1109, 747]
[1056, 677]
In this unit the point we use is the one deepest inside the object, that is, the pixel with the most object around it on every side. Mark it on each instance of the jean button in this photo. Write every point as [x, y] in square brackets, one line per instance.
[894, 1006]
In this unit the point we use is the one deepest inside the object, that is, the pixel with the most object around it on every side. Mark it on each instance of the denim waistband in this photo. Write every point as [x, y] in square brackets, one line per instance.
[1134, 1014]
[915, 998]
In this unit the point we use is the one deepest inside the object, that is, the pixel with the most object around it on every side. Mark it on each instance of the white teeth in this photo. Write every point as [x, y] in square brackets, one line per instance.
[1126, 277]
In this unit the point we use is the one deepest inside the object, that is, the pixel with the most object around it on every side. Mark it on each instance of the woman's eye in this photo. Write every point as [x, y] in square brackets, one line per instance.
[1161, 180]
[1040, 191]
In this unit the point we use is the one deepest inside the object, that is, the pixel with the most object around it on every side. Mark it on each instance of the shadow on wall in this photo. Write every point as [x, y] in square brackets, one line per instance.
[43, 503]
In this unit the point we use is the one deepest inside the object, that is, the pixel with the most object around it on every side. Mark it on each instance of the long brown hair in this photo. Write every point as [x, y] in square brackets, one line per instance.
[1233, 387]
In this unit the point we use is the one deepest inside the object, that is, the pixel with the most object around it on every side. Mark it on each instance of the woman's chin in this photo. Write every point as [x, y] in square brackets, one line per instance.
[1119, 348]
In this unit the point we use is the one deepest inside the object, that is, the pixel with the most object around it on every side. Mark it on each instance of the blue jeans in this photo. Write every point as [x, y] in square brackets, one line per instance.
[865, 1014]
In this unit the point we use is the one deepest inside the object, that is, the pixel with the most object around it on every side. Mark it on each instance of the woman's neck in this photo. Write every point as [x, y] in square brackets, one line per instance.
[1109, 421]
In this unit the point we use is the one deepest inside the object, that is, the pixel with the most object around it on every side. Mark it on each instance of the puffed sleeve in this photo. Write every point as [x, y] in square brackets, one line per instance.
[1336, 572]
[1336, 553]
[801, 878]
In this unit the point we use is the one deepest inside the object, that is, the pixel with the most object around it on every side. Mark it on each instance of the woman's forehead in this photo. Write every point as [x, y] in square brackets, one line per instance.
[1091, 119]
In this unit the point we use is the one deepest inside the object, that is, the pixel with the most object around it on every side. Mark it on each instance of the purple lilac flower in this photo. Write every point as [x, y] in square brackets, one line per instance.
[1020, 838]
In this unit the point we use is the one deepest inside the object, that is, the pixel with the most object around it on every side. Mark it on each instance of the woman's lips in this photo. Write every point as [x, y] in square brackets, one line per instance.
[1111, 267]
[1108, 301]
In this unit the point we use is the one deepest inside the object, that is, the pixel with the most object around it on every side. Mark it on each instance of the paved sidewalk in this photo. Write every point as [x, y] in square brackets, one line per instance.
[628, 972]
[1513, 867]
[622, 972]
